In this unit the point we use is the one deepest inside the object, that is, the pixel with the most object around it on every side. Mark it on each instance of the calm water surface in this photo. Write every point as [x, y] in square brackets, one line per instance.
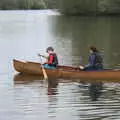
[23, 34]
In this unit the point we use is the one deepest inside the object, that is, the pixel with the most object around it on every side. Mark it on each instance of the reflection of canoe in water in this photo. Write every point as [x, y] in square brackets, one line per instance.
[33, 68]
[24, 78]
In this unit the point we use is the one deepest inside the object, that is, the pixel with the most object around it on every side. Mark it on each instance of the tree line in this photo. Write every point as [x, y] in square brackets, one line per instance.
[89, 6]
[25, 4]
[65, 6]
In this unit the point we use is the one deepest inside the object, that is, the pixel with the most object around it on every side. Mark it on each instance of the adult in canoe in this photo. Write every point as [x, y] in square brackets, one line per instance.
[95, 60]
[52, 59]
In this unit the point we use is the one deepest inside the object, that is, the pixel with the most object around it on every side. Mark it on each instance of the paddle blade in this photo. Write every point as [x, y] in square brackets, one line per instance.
[45, 74]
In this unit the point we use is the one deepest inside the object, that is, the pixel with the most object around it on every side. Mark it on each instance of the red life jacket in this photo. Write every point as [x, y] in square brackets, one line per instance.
[53, 59]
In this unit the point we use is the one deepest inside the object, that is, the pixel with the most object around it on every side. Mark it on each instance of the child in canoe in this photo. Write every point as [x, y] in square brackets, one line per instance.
[52, 59]
[95, 61]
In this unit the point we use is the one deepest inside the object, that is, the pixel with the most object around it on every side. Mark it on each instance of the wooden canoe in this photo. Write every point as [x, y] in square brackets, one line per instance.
[32, 68]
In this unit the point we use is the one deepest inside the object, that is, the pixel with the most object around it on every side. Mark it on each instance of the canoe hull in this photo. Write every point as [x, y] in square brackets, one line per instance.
[33, 68]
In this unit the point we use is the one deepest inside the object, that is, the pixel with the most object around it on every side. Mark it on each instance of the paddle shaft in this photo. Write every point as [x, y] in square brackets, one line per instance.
[43, 70]
[43, 56]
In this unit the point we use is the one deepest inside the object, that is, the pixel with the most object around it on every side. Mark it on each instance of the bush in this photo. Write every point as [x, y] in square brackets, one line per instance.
[89, 6]
[22, 4]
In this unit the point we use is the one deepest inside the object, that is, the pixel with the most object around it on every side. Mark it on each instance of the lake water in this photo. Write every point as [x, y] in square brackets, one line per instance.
[23, 34]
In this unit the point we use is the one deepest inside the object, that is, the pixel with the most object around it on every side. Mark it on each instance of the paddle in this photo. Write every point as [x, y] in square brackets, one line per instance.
[43, 70]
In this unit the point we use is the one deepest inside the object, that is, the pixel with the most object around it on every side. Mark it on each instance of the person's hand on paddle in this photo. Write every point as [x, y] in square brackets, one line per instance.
[81, 67]
[39, 55]
[42, 56]
[43, 69]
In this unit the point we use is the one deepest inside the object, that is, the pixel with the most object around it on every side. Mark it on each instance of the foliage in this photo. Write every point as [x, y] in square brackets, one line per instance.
[65, 6]
[88, 6]
[22, 4]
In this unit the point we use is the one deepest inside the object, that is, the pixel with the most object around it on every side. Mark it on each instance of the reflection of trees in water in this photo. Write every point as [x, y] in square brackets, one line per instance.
[85, 31]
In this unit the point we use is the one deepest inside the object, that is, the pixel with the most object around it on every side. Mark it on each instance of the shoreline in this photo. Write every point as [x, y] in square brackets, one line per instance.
[60, 12]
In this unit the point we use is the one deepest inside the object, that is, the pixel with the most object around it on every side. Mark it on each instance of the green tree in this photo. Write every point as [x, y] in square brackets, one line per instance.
[88, 6]
[22, 4]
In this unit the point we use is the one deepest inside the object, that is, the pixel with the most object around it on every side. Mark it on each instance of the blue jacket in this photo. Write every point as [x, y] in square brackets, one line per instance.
[95, 61]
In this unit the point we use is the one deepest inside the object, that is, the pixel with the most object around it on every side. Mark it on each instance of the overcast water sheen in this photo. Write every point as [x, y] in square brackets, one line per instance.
[23, 34]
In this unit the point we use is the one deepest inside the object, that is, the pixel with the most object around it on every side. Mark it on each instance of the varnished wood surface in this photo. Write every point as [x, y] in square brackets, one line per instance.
[33, 68]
